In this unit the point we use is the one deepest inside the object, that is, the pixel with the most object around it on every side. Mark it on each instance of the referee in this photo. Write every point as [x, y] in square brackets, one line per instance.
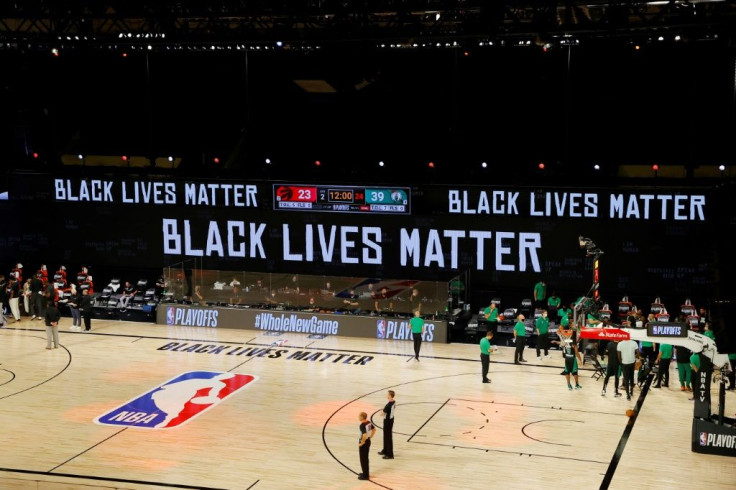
[364, 445]
[388, 426]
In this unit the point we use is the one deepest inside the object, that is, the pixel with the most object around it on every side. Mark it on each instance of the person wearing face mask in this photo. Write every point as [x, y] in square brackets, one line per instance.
[542, 327]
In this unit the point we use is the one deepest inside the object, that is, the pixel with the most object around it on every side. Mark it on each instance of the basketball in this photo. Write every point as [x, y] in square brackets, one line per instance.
[629, 413]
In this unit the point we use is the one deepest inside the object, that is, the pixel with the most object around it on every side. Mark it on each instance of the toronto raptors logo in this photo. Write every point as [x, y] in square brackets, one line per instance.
[284, 193]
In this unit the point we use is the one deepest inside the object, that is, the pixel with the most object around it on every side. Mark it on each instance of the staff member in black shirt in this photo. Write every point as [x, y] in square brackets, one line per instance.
[613, 368]
[86, 308]
[36, 297]
[388, 426]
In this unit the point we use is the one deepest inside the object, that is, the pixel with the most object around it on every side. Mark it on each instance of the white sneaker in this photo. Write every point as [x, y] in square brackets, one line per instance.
[547, 356]
[539, 357]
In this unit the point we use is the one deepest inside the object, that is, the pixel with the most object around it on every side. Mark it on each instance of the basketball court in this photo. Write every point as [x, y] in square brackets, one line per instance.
[287, 416]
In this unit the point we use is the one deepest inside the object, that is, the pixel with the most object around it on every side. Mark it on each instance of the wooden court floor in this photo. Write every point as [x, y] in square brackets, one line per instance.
[295, 424]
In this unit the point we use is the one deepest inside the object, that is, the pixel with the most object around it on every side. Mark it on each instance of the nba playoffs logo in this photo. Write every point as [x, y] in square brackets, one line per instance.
[381, 329]
[170, 315]
[703, 439]
[177, 401]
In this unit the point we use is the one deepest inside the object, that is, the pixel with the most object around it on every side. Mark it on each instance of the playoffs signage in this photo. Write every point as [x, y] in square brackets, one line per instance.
[296, 322]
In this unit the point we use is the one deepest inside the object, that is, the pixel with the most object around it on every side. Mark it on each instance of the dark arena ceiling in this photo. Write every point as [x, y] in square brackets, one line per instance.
[222, 86]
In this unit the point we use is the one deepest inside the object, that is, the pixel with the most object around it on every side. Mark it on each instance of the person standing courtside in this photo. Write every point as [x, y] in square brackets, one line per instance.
[542, 326]
[613, 368]
[86, 307]
[75, 300]
[36, 297]
[519, 339]
[540, 294]
[52, 317]
[485, 355]
[684, 373]
[3, 295]
[663, 361]
[388, 426]
[13, 294]
[491, 315]
[628, 352]
[367, 431]
[417, 330]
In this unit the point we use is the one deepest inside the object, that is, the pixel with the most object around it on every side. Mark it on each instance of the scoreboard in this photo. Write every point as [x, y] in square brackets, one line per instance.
[342, 199]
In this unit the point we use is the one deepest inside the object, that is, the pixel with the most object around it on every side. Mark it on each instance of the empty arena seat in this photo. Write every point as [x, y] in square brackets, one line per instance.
[526, 306]
[114, 285]
[106, 294]
[656, 307]
[141, 288]
[150, 295]
[509, 314]
[687, 309]
[624, 307]
[693, 321]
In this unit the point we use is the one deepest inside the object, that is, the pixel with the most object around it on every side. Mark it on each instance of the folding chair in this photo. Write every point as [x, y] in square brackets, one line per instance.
[599, 370]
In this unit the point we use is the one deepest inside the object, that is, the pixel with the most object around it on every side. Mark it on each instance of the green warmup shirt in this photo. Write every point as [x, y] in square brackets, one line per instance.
[416, 324]
[565, 321]
[520, 329]
[695, 360]
[646, 344]
[710, 334]
[542, 325]
[554, 301]
[666, 351]
[540, 291]
[492, 315]
[485, 346]
[732, 356]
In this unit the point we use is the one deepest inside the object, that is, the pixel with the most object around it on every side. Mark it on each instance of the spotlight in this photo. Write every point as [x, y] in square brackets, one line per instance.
[124, 158]
[268, 161]
[216, 160]
[484, 165]
[596, 167]
[430, 164]
[317, 163]
[541, 165]
[381, 164]
[80, 157]
[35, 155]
[655, 167]
[721, 167]
[171, 159]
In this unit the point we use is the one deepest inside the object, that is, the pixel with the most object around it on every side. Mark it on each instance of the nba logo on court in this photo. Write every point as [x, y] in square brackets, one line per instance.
[703, 439]
[177, 401]
[381, 329]
[170, 315]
